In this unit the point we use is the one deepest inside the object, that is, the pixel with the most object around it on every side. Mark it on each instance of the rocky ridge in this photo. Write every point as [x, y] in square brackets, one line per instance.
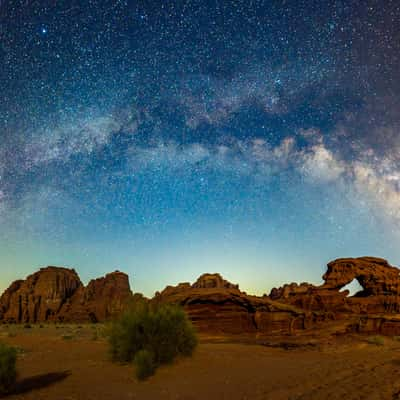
[218, 306]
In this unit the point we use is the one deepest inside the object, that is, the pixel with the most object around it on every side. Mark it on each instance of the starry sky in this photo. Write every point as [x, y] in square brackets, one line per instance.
[258, 139]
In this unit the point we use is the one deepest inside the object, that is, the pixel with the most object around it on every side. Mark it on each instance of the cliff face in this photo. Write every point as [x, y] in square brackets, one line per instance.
[102, 299]
[57, 294]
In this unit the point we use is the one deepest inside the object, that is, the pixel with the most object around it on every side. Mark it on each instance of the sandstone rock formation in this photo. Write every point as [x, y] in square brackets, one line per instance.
[102, 299]
[379, 280]
[216, 305]
[213, 281]
[375, 275]
[57, 294]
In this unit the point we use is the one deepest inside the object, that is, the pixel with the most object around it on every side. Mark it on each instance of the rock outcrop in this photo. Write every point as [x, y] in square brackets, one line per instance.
[379, 280]
[375, 275]
[57, 294]
[214, 281]
[102, 299]
[216, 305]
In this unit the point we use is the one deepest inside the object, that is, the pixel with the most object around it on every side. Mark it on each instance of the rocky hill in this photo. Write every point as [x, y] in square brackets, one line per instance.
[57, 294]
[216, 305]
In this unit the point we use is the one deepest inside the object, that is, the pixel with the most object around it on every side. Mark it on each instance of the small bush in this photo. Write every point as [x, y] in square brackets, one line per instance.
[376, 340]
[145, 364]
[8, 371]
[28, 326]
[164, 331]
[67, 336]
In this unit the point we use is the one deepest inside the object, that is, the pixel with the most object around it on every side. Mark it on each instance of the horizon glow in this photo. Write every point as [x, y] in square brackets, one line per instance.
[250, 139]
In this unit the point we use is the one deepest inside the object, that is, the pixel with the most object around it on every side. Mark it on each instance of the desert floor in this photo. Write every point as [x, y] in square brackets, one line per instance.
[71, 363]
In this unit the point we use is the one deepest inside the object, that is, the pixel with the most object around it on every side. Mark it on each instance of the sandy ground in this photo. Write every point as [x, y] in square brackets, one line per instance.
[71, 363]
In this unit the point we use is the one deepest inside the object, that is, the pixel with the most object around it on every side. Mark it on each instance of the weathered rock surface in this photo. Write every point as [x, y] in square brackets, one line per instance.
[375, 275]
[102, 299]
[216, 305]
[214, 281]
[379, 280]
[57, 294]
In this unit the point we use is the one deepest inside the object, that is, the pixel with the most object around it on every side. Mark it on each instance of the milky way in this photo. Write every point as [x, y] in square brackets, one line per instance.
[258, 139]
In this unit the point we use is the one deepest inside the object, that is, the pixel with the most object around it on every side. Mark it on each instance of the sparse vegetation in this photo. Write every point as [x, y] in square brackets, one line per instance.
[67, 336]
[8, 371]
[145, 364]
[376, 340]
[151, 336]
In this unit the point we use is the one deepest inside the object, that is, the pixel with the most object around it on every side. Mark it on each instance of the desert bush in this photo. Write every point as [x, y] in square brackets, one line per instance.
[8, 371]
[376, 340]
[27, 326]
[145, 364]
[163, 331]
[68, 336]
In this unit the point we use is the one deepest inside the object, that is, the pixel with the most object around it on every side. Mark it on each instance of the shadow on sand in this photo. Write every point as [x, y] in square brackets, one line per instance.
[37, 382]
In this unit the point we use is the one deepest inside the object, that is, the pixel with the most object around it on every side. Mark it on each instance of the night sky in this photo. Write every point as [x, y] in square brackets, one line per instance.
[258, 139]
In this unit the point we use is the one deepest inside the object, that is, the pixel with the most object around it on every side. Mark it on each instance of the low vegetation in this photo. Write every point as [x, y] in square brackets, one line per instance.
[150, 336]
[376, 340]
[8, 371]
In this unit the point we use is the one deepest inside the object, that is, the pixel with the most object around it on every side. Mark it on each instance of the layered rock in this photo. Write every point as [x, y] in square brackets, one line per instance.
[375, 275]
[216, 305]
[39, 297]
[214, 281]
[57, 294]
[379, 280]
[102, 299]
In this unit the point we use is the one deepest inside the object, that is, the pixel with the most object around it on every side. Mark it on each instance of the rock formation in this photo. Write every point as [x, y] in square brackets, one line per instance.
[375, 275]
[57, 294]
[216, 305]
[380, 294]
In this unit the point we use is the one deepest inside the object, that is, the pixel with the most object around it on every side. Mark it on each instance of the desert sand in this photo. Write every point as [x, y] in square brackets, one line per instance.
[71, 363]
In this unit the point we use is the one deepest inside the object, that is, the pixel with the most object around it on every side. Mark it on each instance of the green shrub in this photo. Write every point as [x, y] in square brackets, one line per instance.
[376, 340]
[8, 371]
[145, 364]
[67, 336]
[164, 331]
